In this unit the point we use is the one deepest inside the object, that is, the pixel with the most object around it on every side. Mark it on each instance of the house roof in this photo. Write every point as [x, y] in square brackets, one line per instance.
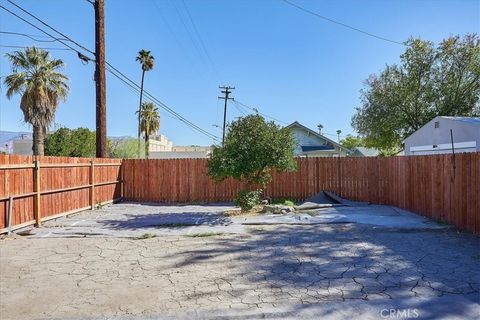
[316, 148]
[471, 120]
[299, 125]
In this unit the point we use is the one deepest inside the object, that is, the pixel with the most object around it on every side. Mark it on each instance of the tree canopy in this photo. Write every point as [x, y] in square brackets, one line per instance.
[252, 149]
[125, 149]
[71, 143]
[351, 142]
[429, 81]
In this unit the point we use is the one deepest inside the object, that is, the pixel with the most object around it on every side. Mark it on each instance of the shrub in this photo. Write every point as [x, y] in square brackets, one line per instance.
[248, 199]
[253, 149]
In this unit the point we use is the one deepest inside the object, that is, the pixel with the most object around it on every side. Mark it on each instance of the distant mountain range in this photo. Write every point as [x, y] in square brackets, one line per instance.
[7, 136]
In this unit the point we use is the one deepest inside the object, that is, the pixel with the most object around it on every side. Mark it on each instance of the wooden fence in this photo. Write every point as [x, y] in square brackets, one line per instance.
[32, 191]
[443, 187]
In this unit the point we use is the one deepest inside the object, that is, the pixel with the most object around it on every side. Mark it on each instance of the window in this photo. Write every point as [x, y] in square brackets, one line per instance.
[437, 124]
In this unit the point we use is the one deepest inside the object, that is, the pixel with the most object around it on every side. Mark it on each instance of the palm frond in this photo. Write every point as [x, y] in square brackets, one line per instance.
[35, 76]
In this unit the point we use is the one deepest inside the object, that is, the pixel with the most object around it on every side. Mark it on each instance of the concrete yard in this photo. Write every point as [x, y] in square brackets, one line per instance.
[132, 261]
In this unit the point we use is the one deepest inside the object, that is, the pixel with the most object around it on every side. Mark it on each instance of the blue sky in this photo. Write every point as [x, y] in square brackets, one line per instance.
[288, 64]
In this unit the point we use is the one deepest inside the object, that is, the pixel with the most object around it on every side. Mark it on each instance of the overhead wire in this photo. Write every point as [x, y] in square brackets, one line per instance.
[30, 36]
[120, 74]
[130, 82]
[340, 23]
[40, 29]
[25, 47]
[258, 111]
[51, 28]
[277, 120]
[199, 36]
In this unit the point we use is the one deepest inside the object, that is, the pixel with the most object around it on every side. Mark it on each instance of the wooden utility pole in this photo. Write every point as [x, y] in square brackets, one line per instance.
[100, 80]
[226, 91]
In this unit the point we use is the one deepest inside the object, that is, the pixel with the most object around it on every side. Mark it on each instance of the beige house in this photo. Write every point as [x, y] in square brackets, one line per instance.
[160, 143]
[162, 148]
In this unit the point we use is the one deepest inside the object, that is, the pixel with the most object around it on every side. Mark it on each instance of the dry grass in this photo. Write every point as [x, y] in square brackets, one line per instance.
[237, 212]
[204, 234]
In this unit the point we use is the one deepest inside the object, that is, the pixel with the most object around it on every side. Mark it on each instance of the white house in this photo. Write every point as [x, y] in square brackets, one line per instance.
[437, 136]
[16, 143]
[314, 144]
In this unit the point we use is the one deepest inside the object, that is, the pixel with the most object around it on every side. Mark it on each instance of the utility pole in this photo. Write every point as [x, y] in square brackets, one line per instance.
[100, 80]
[226, 91]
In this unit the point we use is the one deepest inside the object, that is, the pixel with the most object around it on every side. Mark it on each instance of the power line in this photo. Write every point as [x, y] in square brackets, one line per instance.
[280, 121]
[176, 39]
[130, 83]
[258, 111]
[30, 36]
[126, 79]
[51, 28]
[161, 104]
[40, 29]
[189, 33]
[24, 47]
[202, 43]
[240, 109]
[340, 23]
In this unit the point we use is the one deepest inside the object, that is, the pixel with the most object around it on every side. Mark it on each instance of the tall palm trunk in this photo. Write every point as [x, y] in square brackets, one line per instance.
[38, 139]
[140, 110]
[147, 139]
[147, 146]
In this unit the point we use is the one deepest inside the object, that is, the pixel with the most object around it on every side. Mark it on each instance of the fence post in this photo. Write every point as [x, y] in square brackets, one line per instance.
[92, 185]
[36, 178]
[10, 208]
[122, 177]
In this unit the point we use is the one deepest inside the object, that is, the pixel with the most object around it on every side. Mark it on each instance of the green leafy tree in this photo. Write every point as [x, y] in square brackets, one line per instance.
[149, 122]
[37, 79]
[351, 142]
[125, 149]
[147, 61]
[71, 143]
[252, 149]
[429, 81]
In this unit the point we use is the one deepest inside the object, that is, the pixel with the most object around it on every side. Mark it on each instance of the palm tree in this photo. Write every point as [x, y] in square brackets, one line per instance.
[36, 78]
[147, 62]
[149, 122]
[338, 134]
[320, 127]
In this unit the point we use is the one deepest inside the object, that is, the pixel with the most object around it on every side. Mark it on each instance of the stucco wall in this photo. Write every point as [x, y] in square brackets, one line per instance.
[428, 135]
[22, 147]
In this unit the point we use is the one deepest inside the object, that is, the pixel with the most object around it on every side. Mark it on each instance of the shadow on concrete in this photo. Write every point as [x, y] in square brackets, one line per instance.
[350, 263]
[166, 220]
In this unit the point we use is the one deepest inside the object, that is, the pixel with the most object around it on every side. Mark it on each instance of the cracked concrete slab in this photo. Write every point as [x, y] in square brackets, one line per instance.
[134, 220]
[332, 271]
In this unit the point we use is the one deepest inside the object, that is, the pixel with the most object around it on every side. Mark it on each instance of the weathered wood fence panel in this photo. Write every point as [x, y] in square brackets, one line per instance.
[54, 186]
[443, 187]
